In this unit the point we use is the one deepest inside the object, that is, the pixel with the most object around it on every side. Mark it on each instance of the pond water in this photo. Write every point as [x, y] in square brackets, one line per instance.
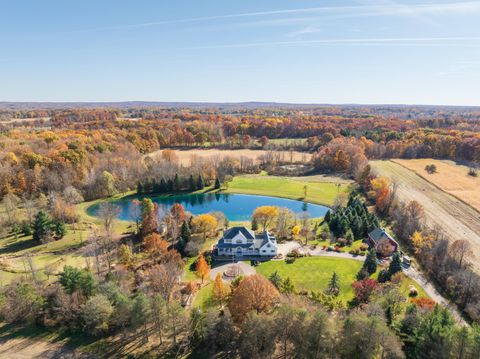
[236, 207]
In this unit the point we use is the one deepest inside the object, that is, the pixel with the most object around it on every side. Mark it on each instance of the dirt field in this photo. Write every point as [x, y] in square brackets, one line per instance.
[450, 177]
[457, 219]
[185, 156]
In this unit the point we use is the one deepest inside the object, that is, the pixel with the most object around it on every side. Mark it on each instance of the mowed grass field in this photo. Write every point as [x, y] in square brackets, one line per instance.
[186, 157]
[314, 273]
[453, 216]
[450, 177]
[287, 187]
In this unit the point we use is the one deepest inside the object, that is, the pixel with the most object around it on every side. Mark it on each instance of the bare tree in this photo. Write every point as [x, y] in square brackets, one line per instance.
[461, 250]
[109, 212]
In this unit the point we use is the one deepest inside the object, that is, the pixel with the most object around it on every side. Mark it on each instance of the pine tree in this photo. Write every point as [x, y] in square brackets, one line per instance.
[254, 224]
[42, 226]
[276, 279]
[333, 285]
[217, 183]
[176, 183]
[395, 265]
[288, 286]
[169, 185]
[163, 186]
[327, 217]
[185, 232]
[191, 184]
[200, 183]
[370, 263]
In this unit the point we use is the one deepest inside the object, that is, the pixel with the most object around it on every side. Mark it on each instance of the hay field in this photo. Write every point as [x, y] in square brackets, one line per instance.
[185, 157]
[450, 177]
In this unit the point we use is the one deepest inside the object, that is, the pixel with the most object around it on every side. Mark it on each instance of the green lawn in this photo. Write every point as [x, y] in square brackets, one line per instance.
[313, 273]
[317, 192]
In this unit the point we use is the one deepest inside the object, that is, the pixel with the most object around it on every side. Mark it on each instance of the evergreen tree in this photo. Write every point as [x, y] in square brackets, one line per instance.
[327, 217]
[139, 187]
[156, 187]
[176, 183]
[254, 224]
[333, 285]
[288, 286]
[169, 185]
[370, 263]
[185, 232]
[349, 236]
[276, 279]
[200, 183]
[191, 184]
[42, 226]
[395, 265]
[163, 186]
[383, 276]
[217, 183]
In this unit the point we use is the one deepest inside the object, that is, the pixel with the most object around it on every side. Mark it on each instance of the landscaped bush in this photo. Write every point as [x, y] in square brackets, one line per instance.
[290, 260]
[342, 242]
[363, 247]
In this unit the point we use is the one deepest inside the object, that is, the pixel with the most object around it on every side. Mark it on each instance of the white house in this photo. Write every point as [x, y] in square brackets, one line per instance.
[241, 241]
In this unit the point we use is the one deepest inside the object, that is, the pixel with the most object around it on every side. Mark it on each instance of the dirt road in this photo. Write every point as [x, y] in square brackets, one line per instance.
[457, 219]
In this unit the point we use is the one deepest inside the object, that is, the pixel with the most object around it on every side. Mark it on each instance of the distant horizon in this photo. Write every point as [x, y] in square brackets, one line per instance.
[199, 103]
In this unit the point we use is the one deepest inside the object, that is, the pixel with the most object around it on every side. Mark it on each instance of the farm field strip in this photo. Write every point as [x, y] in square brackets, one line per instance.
[185, 156]
[457, 219]
[450, 177]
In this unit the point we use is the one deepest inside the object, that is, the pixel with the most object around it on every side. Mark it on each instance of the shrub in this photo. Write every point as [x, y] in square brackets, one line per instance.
[290, 260]
[431, 168]
[473, 172]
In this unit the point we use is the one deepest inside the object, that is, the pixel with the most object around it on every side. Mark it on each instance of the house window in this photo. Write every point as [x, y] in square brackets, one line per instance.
[239, 241]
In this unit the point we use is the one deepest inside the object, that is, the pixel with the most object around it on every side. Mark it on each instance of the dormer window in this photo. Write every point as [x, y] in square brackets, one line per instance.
[239, 241]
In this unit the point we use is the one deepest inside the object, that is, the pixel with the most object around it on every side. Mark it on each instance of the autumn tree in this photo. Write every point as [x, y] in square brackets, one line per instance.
[265, 215]
[254, 293]
[460, 251]
[364, 289]
[205, 223]
[202, 269]
[154, 244]
[219, 290]
[149, 216]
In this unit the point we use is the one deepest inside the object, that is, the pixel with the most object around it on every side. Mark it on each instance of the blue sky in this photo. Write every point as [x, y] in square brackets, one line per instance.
[415, 52]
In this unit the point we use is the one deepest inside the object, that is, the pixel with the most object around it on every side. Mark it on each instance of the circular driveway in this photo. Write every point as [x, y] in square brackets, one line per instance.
[245, 268]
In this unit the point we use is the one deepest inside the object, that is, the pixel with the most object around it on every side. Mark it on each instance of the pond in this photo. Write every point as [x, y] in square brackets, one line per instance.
[236, 207]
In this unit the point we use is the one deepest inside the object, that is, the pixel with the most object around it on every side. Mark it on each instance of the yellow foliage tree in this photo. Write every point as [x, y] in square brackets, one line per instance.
[420, 241]
[205, 223]
[296, 230]
[219, 290]
[265, 215]
[202, 269]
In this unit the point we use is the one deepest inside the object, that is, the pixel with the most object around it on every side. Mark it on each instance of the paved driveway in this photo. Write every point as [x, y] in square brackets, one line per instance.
[246, 269]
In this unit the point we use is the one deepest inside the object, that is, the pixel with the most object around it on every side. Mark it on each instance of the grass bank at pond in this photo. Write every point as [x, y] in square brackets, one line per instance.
[318, 192]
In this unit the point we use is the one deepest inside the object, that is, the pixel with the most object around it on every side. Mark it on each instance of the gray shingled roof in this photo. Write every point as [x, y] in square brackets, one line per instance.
[232, 232]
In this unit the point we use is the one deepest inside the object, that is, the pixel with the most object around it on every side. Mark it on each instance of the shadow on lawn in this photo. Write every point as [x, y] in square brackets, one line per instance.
[18, 245]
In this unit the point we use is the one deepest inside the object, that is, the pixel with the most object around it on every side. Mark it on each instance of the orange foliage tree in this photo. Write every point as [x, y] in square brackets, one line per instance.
[202, 269]
[254, 293]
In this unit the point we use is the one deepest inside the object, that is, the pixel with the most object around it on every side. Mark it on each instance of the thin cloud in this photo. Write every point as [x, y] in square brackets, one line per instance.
[305, 30]
[391, 8]
[358, 41]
